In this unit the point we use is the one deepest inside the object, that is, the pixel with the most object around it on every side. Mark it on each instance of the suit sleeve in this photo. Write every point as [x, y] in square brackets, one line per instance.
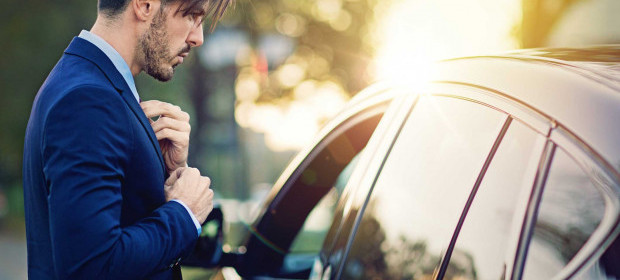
[86, 149]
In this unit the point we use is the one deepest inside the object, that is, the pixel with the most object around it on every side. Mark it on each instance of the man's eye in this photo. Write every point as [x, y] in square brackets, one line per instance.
[197, 17]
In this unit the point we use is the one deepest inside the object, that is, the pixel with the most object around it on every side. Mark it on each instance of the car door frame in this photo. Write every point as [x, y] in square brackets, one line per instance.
[556, 135]
[360, 111]
[371, 167]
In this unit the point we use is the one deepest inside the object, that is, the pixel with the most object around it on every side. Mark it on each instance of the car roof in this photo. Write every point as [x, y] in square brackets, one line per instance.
[578, 89]
[603, 60]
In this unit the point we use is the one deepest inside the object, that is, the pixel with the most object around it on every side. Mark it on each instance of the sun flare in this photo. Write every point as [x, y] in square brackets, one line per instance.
[412, 35]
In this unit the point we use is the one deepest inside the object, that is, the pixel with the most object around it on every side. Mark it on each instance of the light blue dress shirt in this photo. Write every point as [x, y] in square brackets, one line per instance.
[123, 68]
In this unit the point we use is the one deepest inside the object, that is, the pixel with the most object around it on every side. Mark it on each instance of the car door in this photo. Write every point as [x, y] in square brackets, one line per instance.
[543, 205]
[288, 233]
[547, 207]
[421, 189]
[486, 239]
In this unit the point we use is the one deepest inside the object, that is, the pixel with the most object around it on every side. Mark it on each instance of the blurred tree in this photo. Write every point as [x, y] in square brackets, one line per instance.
[285, 42]
[331, 39]
[539, 18]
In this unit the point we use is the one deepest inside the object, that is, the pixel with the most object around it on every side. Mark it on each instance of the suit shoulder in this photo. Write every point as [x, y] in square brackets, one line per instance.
[84, 94]
[76, 70]
[74, 75]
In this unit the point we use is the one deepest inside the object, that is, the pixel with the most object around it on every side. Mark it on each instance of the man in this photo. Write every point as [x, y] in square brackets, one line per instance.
[98, 204]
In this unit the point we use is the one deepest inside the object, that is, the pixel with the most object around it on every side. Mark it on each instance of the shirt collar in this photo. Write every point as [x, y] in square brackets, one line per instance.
[115, 57]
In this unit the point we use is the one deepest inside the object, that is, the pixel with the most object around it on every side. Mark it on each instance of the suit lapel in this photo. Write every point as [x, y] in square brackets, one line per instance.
[87, 50]
[137, 111]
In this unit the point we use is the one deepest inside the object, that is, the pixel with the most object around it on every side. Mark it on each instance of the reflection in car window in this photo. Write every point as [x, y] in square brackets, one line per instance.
[268, 248]
[314, 230]
[421, 191]
[484, 238]
[571, 208]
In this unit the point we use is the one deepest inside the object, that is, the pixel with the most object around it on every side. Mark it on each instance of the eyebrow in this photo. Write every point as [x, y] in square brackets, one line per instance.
[193, 9]
[201, 11]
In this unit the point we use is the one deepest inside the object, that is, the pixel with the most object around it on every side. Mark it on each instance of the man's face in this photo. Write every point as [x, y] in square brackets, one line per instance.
[168, 41]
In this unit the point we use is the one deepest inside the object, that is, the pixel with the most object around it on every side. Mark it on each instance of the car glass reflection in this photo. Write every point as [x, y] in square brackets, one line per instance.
[422, 189]
[492, 221]
[570, 210]
[314, 230]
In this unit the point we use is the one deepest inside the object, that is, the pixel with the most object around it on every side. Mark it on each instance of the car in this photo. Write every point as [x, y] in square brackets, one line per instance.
[501, 167]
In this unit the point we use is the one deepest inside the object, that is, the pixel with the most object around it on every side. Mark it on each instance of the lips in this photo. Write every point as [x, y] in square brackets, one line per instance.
[181, 57]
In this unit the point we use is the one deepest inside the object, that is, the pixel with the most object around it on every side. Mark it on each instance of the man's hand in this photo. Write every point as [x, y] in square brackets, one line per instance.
[172, 131]
[186, 184]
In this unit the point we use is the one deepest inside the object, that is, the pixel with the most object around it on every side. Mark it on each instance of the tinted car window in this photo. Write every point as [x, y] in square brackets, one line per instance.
[570, 210]
[314, 230]
[284, 228]
[493, 220]
[420, 193]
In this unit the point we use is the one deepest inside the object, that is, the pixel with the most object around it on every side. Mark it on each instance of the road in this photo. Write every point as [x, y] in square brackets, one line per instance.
[12, 257]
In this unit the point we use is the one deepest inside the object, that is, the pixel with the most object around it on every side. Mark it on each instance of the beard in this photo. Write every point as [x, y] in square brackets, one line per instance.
[155, 50]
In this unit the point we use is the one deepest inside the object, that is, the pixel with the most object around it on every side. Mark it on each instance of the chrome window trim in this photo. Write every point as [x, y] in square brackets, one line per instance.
[445, 258]
[497, 100]
[532, 210]
[392, 114]
[365, 176]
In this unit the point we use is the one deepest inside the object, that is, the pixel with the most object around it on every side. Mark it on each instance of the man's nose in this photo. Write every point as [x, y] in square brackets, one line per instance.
[195, 37]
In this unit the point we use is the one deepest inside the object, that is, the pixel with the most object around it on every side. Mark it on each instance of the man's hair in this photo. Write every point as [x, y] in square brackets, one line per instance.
[215, 8]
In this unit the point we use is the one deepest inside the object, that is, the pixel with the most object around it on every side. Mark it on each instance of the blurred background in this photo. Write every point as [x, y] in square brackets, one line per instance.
[270, 75]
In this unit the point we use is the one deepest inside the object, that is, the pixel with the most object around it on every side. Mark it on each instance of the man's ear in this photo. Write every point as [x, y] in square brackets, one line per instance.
[144, 10]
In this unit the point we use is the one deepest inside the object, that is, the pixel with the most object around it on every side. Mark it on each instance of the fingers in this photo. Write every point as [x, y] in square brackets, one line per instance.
[176, 137]
[205, 181]
[172, 125]
[188, 186]
[183, 175]
[207, 205]
[166, 122]
[153, 108]
[192, 172]
[174, 176]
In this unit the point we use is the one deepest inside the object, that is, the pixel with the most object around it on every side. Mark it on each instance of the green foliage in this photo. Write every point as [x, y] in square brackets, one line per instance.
[34, 35]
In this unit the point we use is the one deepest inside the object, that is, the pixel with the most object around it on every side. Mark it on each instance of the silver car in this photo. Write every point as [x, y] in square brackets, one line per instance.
[502, 167]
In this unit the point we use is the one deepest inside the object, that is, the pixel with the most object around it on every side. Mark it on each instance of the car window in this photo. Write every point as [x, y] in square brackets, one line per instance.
[570, 210]
[314, 230]
[285, 239]
[482, 248]
[421, 190]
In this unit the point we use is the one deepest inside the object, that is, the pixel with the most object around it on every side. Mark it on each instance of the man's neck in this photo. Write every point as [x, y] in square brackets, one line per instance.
[122, 39]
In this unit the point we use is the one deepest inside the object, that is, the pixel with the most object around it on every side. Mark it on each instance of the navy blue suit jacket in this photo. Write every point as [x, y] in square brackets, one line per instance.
[93, 179]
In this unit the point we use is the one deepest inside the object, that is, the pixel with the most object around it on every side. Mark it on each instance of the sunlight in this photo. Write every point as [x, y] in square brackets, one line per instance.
[412, 35]
[289, 103]
[290, 124]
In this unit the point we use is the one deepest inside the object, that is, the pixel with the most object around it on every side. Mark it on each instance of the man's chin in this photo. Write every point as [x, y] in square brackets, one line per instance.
[163, 75]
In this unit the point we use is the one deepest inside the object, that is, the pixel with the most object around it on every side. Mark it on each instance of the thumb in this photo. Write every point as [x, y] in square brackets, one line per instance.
[174, 176]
